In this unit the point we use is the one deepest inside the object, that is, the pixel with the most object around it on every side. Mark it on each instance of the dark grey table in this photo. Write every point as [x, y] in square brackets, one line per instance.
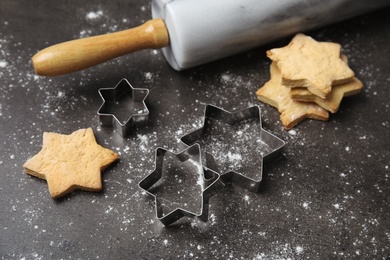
[326, 198]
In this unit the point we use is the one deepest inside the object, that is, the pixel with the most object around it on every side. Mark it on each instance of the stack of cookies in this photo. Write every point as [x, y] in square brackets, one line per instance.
[308, 80]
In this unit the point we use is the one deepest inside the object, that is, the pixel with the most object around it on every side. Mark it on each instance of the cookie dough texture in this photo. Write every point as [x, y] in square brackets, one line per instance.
[70, 162]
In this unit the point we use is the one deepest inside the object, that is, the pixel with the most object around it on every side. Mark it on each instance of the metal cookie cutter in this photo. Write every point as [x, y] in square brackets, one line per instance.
[123, 106]
[235, 145]
[180, 185]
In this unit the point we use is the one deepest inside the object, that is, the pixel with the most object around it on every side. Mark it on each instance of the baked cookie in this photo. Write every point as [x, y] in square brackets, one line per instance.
[332, 102]
[291, 111]
[314, 65]
[70, 162]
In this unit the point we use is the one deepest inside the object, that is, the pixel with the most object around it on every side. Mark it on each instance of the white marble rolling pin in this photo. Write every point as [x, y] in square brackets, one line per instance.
[194, 32]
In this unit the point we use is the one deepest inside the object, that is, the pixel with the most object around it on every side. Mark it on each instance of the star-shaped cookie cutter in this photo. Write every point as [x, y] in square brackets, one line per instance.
[226, 136]
[123, 107]
[180, 185]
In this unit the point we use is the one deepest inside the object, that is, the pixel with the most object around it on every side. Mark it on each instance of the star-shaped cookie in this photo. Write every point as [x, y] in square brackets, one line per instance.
[304, 62]
[332, 102]
[70, 162]
[292, 112]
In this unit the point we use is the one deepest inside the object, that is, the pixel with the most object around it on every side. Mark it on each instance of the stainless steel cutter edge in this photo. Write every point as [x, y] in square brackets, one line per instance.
[138, 94]
[213, 185]
[247, 113]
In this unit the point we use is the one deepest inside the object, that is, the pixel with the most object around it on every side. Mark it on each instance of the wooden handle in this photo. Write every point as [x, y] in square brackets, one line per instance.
[80, 54]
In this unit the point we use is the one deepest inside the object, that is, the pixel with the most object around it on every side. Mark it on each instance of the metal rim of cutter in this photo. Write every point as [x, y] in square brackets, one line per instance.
[253, 112]
[138, 95]
[210, 186]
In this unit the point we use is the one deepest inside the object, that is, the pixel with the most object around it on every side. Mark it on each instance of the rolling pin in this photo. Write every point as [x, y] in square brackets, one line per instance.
[194, 32]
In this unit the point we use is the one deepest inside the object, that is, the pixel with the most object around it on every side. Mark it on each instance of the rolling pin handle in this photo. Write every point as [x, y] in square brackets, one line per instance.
[71, 56]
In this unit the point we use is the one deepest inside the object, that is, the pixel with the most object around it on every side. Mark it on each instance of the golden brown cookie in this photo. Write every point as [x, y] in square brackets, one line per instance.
[332, 102]
[70, 162]
[317, 66]
[292, 112]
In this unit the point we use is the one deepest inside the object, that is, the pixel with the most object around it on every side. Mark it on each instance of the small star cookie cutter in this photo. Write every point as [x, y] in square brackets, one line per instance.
[234, 144]
[180, 185]
[123, 107]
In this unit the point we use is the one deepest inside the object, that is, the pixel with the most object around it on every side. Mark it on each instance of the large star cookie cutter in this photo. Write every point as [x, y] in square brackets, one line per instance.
[235, 145]
[180, 185]
[123, 107]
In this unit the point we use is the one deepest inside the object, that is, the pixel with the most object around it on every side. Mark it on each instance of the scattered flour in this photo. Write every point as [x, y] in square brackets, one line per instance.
[148, 76]
[292, 132]
[60, 94]
[299, 250]
[144, 141]
[94, 15]
[234, 156]
[3, 64]
[226, 77]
